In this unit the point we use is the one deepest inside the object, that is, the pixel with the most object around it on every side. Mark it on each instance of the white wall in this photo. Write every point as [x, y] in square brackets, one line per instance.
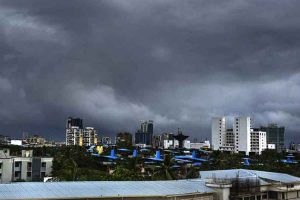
[241, 130]
[218, 131]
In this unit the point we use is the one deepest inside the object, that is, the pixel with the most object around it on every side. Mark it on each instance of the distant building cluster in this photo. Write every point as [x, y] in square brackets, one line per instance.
[76, 134]
[27, 141]
[144, 137]
[240, 137]
[243, 138]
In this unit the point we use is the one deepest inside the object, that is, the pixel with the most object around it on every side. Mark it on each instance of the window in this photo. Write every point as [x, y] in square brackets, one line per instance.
[29, 166]
[0, 165]
[28, 174]
[17, 174]
[43, 164]
[273, 195]
[17, 164]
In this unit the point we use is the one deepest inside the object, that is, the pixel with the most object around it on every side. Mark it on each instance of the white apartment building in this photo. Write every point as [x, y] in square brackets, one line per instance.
[258, 141]
[218, 129]
[240, 138]
[26, 167]
[81, 137]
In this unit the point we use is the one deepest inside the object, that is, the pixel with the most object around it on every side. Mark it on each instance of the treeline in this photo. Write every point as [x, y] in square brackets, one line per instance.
[74, 163]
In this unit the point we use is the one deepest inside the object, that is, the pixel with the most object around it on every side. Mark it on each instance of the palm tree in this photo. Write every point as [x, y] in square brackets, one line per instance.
[164, 170]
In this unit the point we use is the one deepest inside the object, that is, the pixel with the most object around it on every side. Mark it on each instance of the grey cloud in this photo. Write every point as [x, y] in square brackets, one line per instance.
[115, 62]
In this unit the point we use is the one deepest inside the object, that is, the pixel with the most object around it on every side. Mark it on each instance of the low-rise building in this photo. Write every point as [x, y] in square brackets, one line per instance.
[4, 140]
[16, 142]
[242, 184]
[106, 141]
[168, 141]
[196, 145]
[23, 168]
[34, 141]
[235, 184]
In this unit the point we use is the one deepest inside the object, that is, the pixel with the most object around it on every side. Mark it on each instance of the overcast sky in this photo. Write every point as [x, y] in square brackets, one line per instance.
[179, 63]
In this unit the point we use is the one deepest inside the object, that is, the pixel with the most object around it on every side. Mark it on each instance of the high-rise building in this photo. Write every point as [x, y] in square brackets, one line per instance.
[74, 122]
[89, 136]
[77, 135]
[258, 140]
[275, 135]
[241, 131]
[147, 126]
[241, 138]
[74, 136]
[218, 129]
[145, 133]
[124, 139]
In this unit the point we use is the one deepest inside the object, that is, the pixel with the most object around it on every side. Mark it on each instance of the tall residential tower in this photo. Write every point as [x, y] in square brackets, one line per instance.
[240, 138]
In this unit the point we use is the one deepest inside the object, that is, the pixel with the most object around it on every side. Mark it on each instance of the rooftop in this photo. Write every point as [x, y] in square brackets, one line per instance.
[244, 173]
[96, 189]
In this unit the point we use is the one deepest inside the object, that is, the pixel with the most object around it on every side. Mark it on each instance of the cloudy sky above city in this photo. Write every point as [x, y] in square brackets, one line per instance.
[179, 63]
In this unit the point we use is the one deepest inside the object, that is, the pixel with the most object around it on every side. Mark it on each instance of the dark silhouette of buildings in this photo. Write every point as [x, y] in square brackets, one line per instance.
[74, 122]
[145, 133]
[180, 137]
[124, 140]
[275, 135]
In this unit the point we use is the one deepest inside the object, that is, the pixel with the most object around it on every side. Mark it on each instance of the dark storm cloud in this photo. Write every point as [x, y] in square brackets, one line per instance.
[176, 62]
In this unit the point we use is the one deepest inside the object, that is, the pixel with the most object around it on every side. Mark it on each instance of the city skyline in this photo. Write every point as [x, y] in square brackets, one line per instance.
[179, 63]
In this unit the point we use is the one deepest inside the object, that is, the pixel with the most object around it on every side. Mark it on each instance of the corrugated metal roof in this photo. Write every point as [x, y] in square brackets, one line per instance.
[244, 173]
[278, 177]
[95, 189]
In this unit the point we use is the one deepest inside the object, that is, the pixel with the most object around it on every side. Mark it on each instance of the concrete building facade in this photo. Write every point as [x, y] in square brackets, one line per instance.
[240, 138]
[76, 134]
[145, 134]
[23, 168]
[275, 135]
